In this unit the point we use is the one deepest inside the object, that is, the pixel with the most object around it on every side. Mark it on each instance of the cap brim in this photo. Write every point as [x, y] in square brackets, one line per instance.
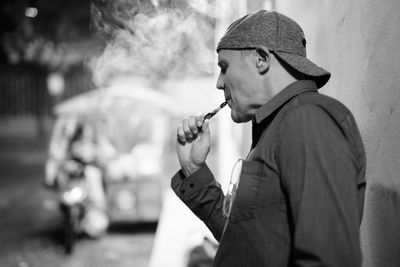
[305, 66]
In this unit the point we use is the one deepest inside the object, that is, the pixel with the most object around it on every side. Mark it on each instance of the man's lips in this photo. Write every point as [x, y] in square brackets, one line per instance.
[229, 101]
[227, 97]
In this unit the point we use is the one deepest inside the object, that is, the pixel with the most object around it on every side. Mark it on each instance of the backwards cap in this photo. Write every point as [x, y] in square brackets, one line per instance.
[280, 34]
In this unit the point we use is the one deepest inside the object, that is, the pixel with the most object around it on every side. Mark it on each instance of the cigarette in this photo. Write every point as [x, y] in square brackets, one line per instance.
[215, 111]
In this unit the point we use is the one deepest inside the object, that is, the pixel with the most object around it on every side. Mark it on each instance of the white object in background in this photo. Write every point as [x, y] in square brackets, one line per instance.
[178, 231]
[55, 84]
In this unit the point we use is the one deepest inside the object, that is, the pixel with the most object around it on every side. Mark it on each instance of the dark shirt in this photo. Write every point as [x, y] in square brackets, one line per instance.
[301, 192]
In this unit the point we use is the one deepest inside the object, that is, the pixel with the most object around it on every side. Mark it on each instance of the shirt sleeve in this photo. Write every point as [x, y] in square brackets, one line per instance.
[204, 196]
[319, 176]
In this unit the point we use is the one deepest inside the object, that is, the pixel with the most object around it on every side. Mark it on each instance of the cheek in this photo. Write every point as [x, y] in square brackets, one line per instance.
[237, 82]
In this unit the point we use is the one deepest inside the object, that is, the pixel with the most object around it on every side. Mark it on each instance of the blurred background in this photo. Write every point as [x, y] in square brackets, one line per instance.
[91, 93]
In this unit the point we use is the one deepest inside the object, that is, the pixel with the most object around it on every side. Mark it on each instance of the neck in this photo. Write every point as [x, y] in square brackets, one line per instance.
[279, 78]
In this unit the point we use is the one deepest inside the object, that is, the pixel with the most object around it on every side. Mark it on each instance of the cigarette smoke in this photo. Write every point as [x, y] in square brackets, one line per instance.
[152, 39]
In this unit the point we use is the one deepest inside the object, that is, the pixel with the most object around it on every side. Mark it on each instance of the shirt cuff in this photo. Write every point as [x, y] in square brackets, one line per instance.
[184, 187]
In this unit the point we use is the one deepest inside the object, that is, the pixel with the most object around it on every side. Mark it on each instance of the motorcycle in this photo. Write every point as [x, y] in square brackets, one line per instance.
[73, 199]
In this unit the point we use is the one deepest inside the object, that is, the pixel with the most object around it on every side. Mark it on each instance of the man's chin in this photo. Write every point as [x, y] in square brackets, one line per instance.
[236, 120]
[239, 119]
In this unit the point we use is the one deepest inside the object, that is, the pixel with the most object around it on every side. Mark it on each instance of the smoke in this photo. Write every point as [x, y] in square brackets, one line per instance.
[208, 7]
[155, 40]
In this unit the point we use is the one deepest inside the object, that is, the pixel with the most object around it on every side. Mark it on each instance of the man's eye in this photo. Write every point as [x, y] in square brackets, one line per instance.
[223, 69]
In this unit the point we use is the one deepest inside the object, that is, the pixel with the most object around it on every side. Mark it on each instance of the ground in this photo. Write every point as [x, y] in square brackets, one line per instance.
[30, 222]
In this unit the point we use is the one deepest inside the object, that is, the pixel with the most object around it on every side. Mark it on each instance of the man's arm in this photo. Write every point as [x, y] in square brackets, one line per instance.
[203, 195]
[319, 176]
[194, 184]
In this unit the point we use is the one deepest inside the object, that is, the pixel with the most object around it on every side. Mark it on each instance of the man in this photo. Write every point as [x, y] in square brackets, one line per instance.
[299, 198]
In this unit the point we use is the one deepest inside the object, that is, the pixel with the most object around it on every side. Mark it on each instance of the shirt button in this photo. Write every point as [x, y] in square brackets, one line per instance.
[183, 191]
[191, 185]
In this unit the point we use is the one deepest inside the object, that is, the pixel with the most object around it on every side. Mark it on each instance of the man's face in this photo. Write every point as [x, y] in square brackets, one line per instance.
[240, 80]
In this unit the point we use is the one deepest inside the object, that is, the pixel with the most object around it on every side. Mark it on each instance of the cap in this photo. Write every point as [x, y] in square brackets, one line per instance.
[280, 34]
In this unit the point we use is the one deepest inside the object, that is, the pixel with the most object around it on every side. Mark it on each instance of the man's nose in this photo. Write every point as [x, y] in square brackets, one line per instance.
[220, 83]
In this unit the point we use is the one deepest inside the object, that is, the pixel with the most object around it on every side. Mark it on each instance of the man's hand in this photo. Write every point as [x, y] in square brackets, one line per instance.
[193, 144]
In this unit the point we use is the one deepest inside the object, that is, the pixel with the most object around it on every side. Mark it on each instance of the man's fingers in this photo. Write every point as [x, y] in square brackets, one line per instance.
[190, 128]
[199, 121]
[206, 128]
[186, 129]
[193, 125]
[181, 135]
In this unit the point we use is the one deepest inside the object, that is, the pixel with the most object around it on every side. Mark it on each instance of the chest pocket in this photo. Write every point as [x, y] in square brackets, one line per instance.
[245, 204]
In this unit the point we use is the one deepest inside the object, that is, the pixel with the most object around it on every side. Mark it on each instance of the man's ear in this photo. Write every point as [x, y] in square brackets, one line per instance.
[263, 59]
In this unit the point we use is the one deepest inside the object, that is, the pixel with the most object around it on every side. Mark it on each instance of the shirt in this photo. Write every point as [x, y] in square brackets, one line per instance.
[301, 192]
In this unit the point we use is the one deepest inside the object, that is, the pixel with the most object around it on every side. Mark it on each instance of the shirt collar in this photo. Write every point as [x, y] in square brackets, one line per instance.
[283, 96]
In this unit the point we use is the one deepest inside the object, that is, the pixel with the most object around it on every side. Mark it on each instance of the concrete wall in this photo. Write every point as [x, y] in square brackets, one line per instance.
[358, 41]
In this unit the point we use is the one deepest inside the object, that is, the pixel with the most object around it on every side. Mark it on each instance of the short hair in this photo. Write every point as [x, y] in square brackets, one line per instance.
[246, 52]
[295, 73]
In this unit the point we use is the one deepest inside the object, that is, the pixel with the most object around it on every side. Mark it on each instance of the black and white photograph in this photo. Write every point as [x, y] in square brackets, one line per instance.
[199, 133]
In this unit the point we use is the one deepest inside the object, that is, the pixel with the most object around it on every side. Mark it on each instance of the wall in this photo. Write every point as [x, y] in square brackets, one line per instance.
[358, 42]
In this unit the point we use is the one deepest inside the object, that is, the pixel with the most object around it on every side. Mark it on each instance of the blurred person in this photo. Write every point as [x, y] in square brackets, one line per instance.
[297, 199]
[83, 152]
[58, 151]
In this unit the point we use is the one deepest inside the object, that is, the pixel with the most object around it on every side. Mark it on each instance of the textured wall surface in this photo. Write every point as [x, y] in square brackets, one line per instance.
[358, 41]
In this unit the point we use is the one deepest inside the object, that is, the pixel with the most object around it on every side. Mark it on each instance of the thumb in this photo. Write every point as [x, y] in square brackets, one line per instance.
[206, 127]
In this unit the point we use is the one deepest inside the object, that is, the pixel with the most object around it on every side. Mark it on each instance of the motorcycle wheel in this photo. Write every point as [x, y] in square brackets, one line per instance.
[71, 220]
